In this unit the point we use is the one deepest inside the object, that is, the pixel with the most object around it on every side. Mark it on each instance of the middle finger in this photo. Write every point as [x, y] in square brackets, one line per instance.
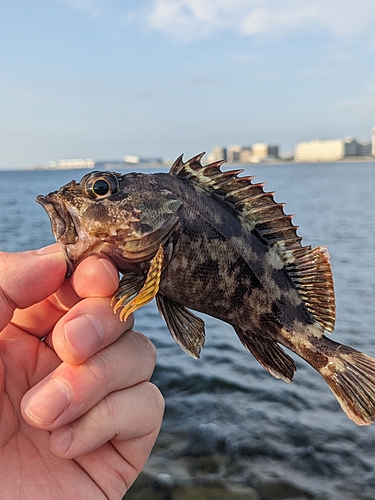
[70, 391]
[87, 328]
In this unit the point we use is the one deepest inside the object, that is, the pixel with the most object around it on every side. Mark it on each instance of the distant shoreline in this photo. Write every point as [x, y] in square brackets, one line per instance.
[269, 162]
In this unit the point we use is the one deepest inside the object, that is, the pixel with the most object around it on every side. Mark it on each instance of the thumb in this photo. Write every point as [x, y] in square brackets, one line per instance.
[29, 277]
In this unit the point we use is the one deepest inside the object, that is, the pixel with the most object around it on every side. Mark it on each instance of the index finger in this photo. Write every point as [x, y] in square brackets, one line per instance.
[96, 276]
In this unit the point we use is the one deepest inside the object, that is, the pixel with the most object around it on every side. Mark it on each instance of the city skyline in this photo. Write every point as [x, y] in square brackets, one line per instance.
[104, 78]
[238, 153]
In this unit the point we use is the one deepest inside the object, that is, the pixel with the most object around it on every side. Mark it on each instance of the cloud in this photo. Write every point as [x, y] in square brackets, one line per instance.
[190, 20]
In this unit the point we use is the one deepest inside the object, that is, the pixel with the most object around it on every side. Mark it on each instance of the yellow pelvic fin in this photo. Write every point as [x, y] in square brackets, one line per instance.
[147, 292]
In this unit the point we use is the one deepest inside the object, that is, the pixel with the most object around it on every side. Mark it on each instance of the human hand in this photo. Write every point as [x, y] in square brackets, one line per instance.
[78, 415]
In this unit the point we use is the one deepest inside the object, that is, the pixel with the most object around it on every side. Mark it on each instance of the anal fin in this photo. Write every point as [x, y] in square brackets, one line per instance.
[185, 327]
[269, 354]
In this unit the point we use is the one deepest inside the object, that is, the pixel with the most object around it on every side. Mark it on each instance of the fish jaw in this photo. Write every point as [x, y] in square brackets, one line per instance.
[125, 242]
[62, 224]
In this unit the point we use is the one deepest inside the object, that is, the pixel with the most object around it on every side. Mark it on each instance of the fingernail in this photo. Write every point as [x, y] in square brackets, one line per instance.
[84, 334]
[60, 440]
[48, 402]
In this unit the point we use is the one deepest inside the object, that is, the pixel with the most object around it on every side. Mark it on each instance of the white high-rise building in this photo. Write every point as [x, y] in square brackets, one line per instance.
[373, 141]
[332, 150]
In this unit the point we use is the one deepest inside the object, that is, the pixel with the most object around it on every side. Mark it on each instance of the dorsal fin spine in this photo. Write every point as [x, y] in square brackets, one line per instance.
[264, 208]
[177, 165]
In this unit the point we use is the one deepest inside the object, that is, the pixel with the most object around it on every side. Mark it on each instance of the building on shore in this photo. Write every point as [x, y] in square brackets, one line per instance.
[235, 153]
[263, 151]
[72, 163]
[364, 148]
[90, 163]
[331, 150]
[217, 153]
[246, 155]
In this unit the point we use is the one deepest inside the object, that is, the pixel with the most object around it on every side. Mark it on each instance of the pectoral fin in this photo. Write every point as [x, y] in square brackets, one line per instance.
[185, 327]
[135, 290]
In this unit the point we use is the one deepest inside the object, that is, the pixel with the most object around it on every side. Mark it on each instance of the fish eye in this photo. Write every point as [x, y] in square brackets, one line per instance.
[99, 185]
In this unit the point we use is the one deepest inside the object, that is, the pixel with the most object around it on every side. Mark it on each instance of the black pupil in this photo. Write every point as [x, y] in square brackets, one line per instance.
[101, 187]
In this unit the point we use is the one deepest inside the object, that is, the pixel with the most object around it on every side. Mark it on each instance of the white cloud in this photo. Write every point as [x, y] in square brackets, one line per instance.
[192, 19]
[196, 19]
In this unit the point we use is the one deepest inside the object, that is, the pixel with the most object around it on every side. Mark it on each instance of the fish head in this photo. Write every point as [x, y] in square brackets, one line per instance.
[125, 217]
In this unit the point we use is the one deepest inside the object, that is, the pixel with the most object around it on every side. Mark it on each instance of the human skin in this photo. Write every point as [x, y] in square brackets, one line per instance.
[78, 415]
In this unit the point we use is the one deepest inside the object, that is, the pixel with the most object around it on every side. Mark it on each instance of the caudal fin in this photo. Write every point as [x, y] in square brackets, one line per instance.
[351, 376]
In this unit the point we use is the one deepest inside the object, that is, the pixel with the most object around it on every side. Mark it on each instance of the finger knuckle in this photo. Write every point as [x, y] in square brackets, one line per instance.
[155, 400]
[147, 346]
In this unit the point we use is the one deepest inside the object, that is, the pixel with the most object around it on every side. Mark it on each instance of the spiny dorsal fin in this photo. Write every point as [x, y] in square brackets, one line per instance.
[256, 206]
[309, 269]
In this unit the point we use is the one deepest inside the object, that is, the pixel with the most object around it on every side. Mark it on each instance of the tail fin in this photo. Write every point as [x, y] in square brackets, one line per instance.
[350, 375]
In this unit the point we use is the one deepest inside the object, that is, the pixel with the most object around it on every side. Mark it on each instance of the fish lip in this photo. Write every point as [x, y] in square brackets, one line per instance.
[62, 223]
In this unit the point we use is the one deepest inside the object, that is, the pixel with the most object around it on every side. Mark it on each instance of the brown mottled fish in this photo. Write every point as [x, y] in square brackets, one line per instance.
[205, 239]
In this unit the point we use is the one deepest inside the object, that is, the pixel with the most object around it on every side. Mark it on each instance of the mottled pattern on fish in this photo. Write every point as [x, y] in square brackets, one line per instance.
[212, 241]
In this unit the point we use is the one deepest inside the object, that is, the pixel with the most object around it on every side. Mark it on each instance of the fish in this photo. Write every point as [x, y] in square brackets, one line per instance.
[204, 239]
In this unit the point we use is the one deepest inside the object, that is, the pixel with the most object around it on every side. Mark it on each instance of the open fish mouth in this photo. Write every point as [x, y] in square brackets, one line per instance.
[62, 223]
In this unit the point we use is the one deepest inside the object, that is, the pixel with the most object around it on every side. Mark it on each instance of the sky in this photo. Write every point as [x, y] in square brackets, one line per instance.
[157, 78]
